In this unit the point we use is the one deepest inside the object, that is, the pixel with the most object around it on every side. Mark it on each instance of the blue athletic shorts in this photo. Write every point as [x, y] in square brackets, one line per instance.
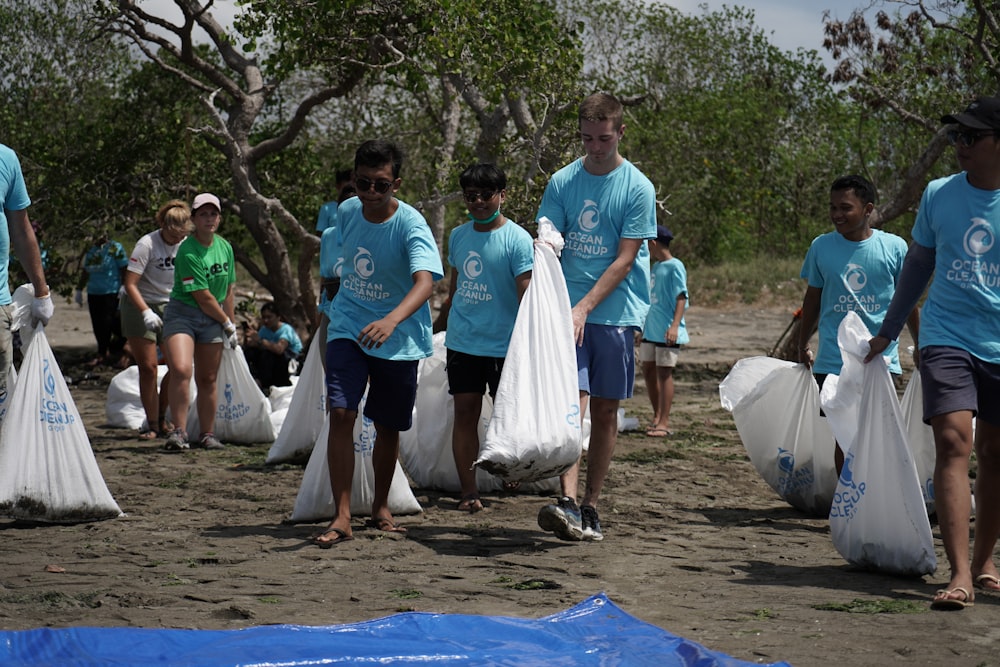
[392, 385]
[955, 380]
[471, 374]
[605, 363]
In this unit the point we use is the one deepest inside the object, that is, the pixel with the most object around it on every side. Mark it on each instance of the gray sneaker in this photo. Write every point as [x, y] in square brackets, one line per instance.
[591, 524]
[563, 519]
[209, 441]
[177, 441]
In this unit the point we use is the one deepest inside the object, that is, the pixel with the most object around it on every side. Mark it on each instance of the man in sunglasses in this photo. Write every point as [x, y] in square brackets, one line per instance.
[379, 327]
[955, 239]
[606, 209]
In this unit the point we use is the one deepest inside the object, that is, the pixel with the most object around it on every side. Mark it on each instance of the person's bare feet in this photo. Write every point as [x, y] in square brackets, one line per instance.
[470, 504]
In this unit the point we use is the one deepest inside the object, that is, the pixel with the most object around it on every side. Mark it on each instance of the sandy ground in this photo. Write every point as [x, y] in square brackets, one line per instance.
[695, 542]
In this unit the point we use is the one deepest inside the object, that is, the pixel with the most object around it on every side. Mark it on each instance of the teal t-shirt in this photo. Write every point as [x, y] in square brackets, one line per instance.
[854, 275]
[197, 267]
[104, 264]
[331, 261]
[284, 332]
[327, 217]
[485, 303]
[13, 197]
[962, 308]
[379, 262]
[594, 213]
[668, 282]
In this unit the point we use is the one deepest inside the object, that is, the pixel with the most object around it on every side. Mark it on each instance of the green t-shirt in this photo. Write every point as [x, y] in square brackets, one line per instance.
[197, 267]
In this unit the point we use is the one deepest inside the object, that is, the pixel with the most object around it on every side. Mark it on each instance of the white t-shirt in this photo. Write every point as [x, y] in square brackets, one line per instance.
[153, 260]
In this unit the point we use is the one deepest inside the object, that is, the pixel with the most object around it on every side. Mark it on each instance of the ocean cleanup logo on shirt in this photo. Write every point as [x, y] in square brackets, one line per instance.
[468, 289]
[974, 271]
[358, 284]
[584, 242]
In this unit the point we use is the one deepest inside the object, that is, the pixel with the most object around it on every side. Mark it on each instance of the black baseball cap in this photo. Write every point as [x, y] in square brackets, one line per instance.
[663, 235]
[982, 114]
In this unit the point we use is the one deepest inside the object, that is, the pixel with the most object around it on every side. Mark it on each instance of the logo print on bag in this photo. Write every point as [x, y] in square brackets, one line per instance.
[845, 503]
[230, 411]
[791, 481]
[54, 413]
[978, 238]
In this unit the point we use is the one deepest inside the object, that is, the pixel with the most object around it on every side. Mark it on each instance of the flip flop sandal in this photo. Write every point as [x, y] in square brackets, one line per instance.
[988, 582]
[148, 434]
[942, 602]
[470, 504]
[341, 536]
[385, 525]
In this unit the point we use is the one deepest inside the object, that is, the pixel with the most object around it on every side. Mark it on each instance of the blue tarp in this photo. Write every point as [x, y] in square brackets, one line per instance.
[595, 632]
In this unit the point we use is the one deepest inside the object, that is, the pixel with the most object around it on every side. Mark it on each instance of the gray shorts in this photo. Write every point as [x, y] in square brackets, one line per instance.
[955, 380]
[180, 318]
[665, 356]
[6, 346]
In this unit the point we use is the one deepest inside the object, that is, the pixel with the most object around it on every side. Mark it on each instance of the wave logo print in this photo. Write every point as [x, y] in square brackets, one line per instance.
[230, 411]
[786, 461]
[979, 238]
[364, 263]
[48, 380]
[590, 216]
[338, 268]
[847, 501]
[472, 267]
[228, 392]
[856, 278]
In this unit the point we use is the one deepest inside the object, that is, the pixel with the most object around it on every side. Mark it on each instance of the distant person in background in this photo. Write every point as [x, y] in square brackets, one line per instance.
[328, 212]
[665, 330]
[148, 281]
[101, 272]
[271, 348]
[198, 321]
[17, 232]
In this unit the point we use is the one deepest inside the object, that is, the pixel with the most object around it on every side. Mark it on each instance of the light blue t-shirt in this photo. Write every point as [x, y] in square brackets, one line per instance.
[854, 275]
[593, 213]
[104, 264]
[485, 303]
[963, 303]
[379, 263]
[284, 332]
[13, 197]
[327, 217]
[331, 261]
[669, 281]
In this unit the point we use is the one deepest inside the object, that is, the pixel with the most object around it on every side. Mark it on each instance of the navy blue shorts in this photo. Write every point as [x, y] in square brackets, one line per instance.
[471, 374]
[605, 363]
[392, 385]
[955, 380]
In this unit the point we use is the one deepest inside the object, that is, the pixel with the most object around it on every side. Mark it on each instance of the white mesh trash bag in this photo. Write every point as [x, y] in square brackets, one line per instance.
[314, 501]
[243, 413]
[878, 520]
[306, 411]
[775, 405]
[425, 450]
[48, 472]
[535, 432]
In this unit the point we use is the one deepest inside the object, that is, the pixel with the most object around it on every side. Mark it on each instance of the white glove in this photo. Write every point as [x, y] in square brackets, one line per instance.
[151, 320]
[42, 309]
[121, 293]
[78, 297]
[230, 330]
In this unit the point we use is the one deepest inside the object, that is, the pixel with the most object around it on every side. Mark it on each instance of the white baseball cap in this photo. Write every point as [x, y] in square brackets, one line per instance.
[206, 198]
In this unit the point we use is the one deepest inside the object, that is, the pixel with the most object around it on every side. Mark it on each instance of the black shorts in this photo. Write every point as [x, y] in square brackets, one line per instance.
[469, 374]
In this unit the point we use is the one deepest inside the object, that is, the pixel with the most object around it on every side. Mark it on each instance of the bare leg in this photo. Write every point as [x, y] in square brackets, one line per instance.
[384, 458]
[953, 443]
[207, 357]
[650, 377]
[987, 502]
[603, 438]
[144, 353]
[180, 360]
[665, 394]
[340, 462]
[465, 447]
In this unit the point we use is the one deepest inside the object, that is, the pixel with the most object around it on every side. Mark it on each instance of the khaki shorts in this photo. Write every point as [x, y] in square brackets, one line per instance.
[664, 356]
[132, 324]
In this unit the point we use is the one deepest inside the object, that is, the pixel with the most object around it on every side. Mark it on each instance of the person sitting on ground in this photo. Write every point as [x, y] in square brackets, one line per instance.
[271, 348]
[665, 330]
[495, 257]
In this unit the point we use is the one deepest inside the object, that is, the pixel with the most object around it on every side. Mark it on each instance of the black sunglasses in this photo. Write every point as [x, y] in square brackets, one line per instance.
[365, 184]
[966, 138]
[471, 196]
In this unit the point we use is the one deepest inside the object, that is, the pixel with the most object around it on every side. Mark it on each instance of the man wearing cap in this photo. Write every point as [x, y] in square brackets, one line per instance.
[955, 239]
[17, 231]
